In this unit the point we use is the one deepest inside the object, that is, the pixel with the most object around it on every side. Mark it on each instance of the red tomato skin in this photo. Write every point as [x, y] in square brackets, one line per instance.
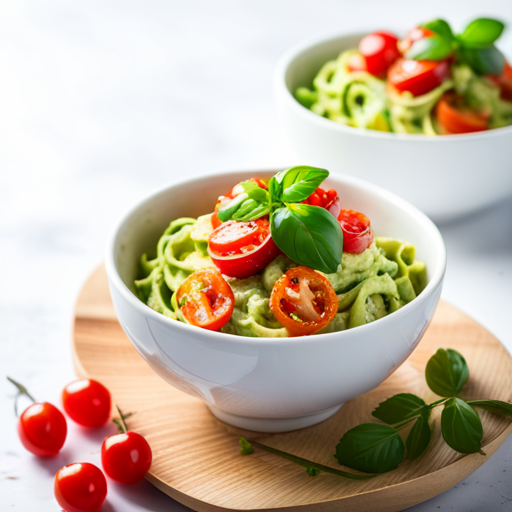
[379, 51]
[457, 121]
[126, 458]
[246, 265]
[357, 233]
[504, 82]
[418, 76]
[80, 487]
[87, 402]
[42, 429]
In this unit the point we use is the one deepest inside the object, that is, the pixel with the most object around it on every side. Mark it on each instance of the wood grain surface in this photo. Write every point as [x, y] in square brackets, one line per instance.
[196, 457]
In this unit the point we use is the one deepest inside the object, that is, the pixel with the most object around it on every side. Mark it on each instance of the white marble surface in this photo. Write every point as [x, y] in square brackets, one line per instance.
[103, 101]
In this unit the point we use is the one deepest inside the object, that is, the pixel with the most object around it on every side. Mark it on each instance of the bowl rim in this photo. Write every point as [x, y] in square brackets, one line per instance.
[297, 50]
[215, 336]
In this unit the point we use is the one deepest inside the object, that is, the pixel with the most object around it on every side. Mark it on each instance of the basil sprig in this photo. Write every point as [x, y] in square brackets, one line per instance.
[309, 235]
[474, 46]
[374, 448]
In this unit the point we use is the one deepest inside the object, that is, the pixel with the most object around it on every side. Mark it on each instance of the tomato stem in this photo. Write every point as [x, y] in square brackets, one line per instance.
[121, 421]
[22, 390]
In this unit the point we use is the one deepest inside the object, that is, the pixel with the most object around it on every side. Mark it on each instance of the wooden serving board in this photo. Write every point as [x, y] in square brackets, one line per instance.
[196, 457]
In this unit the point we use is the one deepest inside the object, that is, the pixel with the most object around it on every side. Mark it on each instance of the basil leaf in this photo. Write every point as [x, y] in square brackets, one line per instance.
[419, 437]
[446, 372]
[440, 27]
[430, 48]
[298, 183]
[494, 406]
[461, 426]
[481, 32]
[486, 61]
[309, 235]
[371, 448]
[251, 204]
[399, 408]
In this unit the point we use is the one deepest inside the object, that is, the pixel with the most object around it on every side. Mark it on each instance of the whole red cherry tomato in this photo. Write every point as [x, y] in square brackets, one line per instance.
[379, 51]
[325, 199]
[418, 76]
[87, 402]
[456, 117]
[303, 301]
[240, 249]
[357, 233]
[414, 35]
[206, 299]
[126, 458]
[80, 487]
[42, 429]
[235, 191]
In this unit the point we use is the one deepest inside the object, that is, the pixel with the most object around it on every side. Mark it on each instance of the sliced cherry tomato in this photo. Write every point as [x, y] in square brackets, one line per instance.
[240, 249]
[303, 301]
[379, 51]
[455, 117]
[356, 62]
[418, 76]
[126, 458]
[235, 191]
[206, 299]
[87, 402]
[326, 199]
[357, 233]
[504, 82]
[42, 429]
[414, 35]
[80, 487]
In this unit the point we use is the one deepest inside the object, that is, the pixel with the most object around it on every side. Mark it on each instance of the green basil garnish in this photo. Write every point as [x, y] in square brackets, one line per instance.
[461, 426]
[309, 235]
[446, 373]
[298, 183]
[481, 33]
[440, 27]
[371, 448]
[419, 436]
[485, 61]
[399, 408]
[430, 48]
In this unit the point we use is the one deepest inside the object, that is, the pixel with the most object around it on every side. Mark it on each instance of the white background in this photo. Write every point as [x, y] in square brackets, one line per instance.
[102, 102]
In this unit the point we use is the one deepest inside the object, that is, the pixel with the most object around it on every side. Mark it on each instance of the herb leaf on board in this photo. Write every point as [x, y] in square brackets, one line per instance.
[461, 426]
[419, 437]
[446, 372]
[399, 408]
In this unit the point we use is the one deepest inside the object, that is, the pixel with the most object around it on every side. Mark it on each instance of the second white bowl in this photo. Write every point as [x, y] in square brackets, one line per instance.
[445, 176]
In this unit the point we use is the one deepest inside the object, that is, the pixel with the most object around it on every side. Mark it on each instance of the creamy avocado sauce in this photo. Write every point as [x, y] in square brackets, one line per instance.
[369, 285]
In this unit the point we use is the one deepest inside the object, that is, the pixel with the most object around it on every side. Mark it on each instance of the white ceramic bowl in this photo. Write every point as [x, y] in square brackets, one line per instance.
[445, 176]
[271, 384]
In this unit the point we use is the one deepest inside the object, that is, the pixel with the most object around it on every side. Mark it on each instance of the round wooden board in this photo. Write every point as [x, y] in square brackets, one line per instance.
[196, 458]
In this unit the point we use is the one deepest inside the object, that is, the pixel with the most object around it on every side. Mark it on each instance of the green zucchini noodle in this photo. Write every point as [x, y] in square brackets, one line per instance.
[361, 100]
[369, 286]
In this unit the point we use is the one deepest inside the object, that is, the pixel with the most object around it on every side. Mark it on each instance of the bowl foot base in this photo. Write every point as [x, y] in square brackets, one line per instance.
[272, 425]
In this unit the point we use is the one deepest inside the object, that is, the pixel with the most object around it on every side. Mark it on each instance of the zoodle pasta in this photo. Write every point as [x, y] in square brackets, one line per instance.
[432, 82]
[242, 277]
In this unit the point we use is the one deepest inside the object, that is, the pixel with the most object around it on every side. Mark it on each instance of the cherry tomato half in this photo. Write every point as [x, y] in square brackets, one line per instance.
[325, 199]
[206, 299]
[455, 117]
[240, 249]
[87, 402]
[80, 487]
[357, 233]
[414, 35]
[126, 458]
[379, 51]
[42, 429]
[235, 191]
[504, 82]
[418, 76]
[303, 301]
[356, 62]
